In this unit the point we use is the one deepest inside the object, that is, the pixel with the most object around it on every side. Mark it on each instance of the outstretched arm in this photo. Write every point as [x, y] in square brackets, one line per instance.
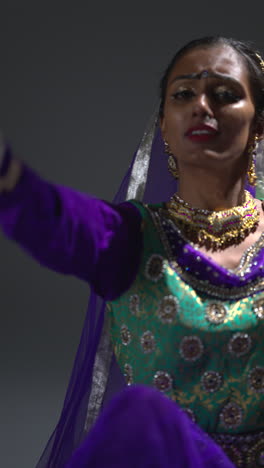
[68, 231]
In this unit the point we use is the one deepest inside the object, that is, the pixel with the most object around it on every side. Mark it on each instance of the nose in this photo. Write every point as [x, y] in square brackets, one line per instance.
[202, 106]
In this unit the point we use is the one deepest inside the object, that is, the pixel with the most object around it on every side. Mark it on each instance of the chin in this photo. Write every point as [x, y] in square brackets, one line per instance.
[205, 155]
[209, 159]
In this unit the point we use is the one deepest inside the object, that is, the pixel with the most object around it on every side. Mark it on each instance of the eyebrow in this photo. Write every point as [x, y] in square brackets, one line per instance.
[205, 74]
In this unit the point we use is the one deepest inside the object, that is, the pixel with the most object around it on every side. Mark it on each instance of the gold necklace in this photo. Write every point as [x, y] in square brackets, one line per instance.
[215, 230]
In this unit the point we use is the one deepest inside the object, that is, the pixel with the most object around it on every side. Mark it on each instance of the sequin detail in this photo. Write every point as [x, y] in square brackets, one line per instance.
[154, 268]
[234, 454]
[191, 348]
[168, 309]
[162, 381]
[244, 450]
[229, 445]
[255, 455]
[256, 379]
[125, 335]
[231, 416]
[134, 302]
[216, 313]
[258, 308]
[239, 344]
[211, 381]
[148, 342]
[128, 374]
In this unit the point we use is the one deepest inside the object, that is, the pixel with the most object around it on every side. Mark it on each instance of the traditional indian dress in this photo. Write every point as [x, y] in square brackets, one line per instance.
[170, 367]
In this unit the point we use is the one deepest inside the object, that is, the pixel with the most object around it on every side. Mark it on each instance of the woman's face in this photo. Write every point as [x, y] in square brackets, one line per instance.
[208, 117]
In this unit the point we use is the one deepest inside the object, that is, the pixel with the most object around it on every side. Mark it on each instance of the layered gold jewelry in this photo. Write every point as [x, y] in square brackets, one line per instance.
[214, 230]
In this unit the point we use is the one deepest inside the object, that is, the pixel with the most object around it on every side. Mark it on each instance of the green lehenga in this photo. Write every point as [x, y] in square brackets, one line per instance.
[203, 351]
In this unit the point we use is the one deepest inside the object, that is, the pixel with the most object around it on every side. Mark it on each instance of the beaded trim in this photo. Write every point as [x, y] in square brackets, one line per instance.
[244, 450]
[246, 259]
[204, 286]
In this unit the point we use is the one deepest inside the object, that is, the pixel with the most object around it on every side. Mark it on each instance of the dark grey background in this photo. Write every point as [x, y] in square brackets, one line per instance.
[76, 88]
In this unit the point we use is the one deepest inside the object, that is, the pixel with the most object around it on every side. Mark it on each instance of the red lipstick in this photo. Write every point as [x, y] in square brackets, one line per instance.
[201, 133]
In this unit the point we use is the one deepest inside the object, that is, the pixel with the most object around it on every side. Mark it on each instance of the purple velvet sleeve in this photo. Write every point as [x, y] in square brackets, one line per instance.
[73, 233]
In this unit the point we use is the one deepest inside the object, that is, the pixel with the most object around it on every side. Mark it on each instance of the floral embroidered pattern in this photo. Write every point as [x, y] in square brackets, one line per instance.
[134, 302]
[216, 313]
[231, 416]
[163, 381]
[128, 374]
[168, 309]
[154, 268]
[256, 379]
[125, 335]
[148, 342]
[211, 381]
[239, 344]
[191, 348]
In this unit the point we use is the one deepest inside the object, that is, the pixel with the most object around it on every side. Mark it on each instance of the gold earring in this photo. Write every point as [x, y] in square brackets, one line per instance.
[251, 173]
[172, 163]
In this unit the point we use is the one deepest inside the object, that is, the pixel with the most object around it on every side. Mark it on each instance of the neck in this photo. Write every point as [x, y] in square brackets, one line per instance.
[210, 190]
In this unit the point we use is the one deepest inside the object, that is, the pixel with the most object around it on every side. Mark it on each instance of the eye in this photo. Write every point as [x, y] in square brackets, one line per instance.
[226, 95]
[183, 94]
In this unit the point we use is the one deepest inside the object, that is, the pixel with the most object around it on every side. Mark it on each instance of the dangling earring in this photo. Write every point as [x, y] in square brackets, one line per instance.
[172, 164]
[251, 174]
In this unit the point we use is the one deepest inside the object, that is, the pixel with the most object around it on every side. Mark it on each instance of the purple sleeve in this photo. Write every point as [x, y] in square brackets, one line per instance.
[73, 233]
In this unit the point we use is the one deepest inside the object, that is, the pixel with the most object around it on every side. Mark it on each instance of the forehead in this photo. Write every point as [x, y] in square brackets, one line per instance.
[221, 59]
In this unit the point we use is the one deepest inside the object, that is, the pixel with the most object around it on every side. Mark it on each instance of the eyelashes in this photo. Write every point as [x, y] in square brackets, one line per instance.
[183, 94]
[220, 94]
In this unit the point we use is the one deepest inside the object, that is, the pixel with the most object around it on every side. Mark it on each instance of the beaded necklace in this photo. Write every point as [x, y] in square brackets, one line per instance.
[215, 230]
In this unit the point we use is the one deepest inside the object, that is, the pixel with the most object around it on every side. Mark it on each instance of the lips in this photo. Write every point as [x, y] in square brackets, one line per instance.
[201, 133]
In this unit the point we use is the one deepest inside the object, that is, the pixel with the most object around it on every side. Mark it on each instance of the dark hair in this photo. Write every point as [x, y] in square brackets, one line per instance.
[245, 50]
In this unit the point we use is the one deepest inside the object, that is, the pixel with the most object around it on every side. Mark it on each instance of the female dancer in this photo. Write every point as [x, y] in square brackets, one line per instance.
[182, 276]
